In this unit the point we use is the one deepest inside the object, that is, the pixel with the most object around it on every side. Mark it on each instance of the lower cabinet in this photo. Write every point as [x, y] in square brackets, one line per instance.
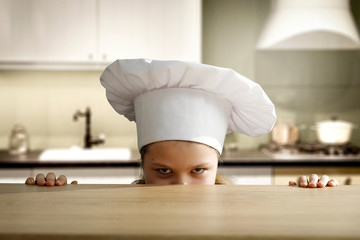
[104, 175]
[345, 175]
[14, 175]
[247, 175]
[86, 175]
[238, 175]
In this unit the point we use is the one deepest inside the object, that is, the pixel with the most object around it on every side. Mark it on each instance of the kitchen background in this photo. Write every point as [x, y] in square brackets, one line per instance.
[306, 86]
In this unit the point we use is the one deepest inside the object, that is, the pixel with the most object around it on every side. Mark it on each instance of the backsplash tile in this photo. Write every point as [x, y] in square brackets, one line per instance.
[308, 68]
[44, 102]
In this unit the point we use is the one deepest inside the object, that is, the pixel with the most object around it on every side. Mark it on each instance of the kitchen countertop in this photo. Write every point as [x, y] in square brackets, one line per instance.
[251, 157]
[178, 212]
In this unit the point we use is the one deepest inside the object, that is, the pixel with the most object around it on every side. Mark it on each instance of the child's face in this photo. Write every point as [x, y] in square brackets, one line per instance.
[180, 162]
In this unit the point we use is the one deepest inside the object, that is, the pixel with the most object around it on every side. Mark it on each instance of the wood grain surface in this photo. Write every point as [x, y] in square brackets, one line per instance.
[178, 212]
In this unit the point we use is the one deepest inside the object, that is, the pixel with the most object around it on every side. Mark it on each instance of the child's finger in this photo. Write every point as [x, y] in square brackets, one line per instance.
[50, 179]
[313, 180]
[333, 183]
[30, 181]
[292, 183]
[303, 182]
[40, 179]
[323, 181]
[62, 180]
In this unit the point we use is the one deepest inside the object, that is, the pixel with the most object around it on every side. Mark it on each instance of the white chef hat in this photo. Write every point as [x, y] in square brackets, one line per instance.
[174, 100]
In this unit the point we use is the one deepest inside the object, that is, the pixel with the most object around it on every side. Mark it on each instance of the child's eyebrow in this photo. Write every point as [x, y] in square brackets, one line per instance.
[203, 164]
[164, 165]
[160, 165]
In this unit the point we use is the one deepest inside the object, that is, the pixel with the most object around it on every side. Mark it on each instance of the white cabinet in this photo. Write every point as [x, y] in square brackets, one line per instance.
[14, 175]
[89, 32]
[159, 29]
[47, 31]
[345, 175]
[84, 175]
[247, 175]
[101, 175]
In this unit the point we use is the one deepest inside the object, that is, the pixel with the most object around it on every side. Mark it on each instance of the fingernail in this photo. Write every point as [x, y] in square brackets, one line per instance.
[312, 184]
[50, 183]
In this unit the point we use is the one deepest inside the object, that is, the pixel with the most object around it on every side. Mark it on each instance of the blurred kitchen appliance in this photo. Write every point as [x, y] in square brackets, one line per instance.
[309, 24]
[334, 132]
[230, 143]
[88, 139]
[18, 140]
[285, 134]
[311, 151]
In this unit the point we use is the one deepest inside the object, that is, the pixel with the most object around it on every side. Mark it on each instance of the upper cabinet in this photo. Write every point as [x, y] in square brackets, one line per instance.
[89, 34]
[43, 31]
[161, 29]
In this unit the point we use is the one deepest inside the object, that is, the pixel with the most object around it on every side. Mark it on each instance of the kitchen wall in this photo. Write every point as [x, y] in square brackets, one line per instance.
[306, 86]
[45, 101]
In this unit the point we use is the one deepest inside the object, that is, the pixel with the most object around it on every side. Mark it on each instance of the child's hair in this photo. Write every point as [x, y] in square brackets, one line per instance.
[218, 180]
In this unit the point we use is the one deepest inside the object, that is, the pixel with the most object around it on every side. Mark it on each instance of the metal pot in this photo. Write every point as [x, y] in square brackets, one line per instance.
[334, 132]
[285, 134]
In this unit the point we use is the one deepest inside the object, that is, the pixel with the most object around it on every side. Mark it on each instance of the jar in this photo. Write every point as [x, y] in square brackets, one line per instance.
[19, 140]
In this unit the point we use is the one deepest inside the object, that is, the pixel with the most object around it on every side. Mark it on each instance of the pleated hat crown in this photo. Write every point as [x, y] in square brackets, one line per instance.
[175, 100]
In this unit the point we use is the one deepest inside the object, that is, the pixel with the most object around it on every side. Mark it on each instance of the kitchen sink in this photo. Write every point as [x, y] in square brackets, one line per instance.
[81, 154]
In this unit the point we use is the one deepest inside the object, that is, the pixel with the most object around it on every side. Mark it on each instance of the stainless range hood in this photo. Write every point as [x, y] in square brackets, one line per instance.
[309, 25]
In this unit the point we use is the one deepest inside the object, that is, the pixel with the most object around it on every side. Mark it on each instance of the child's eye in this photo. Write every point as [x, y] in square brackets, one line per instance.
[164, 170]
[198, 170]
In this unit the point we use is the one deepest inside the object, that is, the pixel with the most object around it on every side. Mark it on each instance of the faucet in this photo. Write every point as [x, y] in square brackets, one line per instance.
[88, 139]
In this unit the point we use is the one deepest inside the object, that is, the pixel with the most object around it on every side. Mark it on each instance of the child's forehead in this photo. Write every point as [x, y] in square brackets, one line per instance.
[185, 154]
[181, 163]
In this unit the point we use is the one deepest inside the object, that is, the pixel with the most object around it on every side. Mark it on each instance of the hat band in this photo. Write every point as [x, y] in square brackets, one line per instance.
[182, 114]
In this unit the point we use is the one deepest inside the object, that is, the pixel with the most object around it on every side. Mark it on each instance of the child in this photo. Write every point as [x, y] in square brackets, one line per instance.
[182, 112]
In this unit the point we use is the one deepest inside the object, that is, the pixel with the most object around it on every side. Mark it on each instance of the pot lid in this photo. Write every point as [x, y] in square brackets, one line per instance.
[309, 24]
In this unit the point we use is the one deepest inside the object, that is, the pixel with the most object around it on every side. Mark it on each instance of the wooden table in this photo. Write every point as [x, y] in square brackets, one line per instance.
[178, 212]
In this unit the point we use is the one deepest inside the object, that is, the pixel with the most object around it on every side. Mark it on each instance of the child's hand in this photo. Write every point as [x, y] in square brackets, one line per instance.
[49, 180]
[314, 181]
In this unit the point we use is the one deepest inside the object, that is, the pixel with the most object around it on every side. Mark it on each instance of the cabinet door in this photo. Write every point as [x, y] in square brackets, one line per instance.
[247, 175]
[14, 175]
[345, 175]
[47, 30]
[157, 29]
[90, 175]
